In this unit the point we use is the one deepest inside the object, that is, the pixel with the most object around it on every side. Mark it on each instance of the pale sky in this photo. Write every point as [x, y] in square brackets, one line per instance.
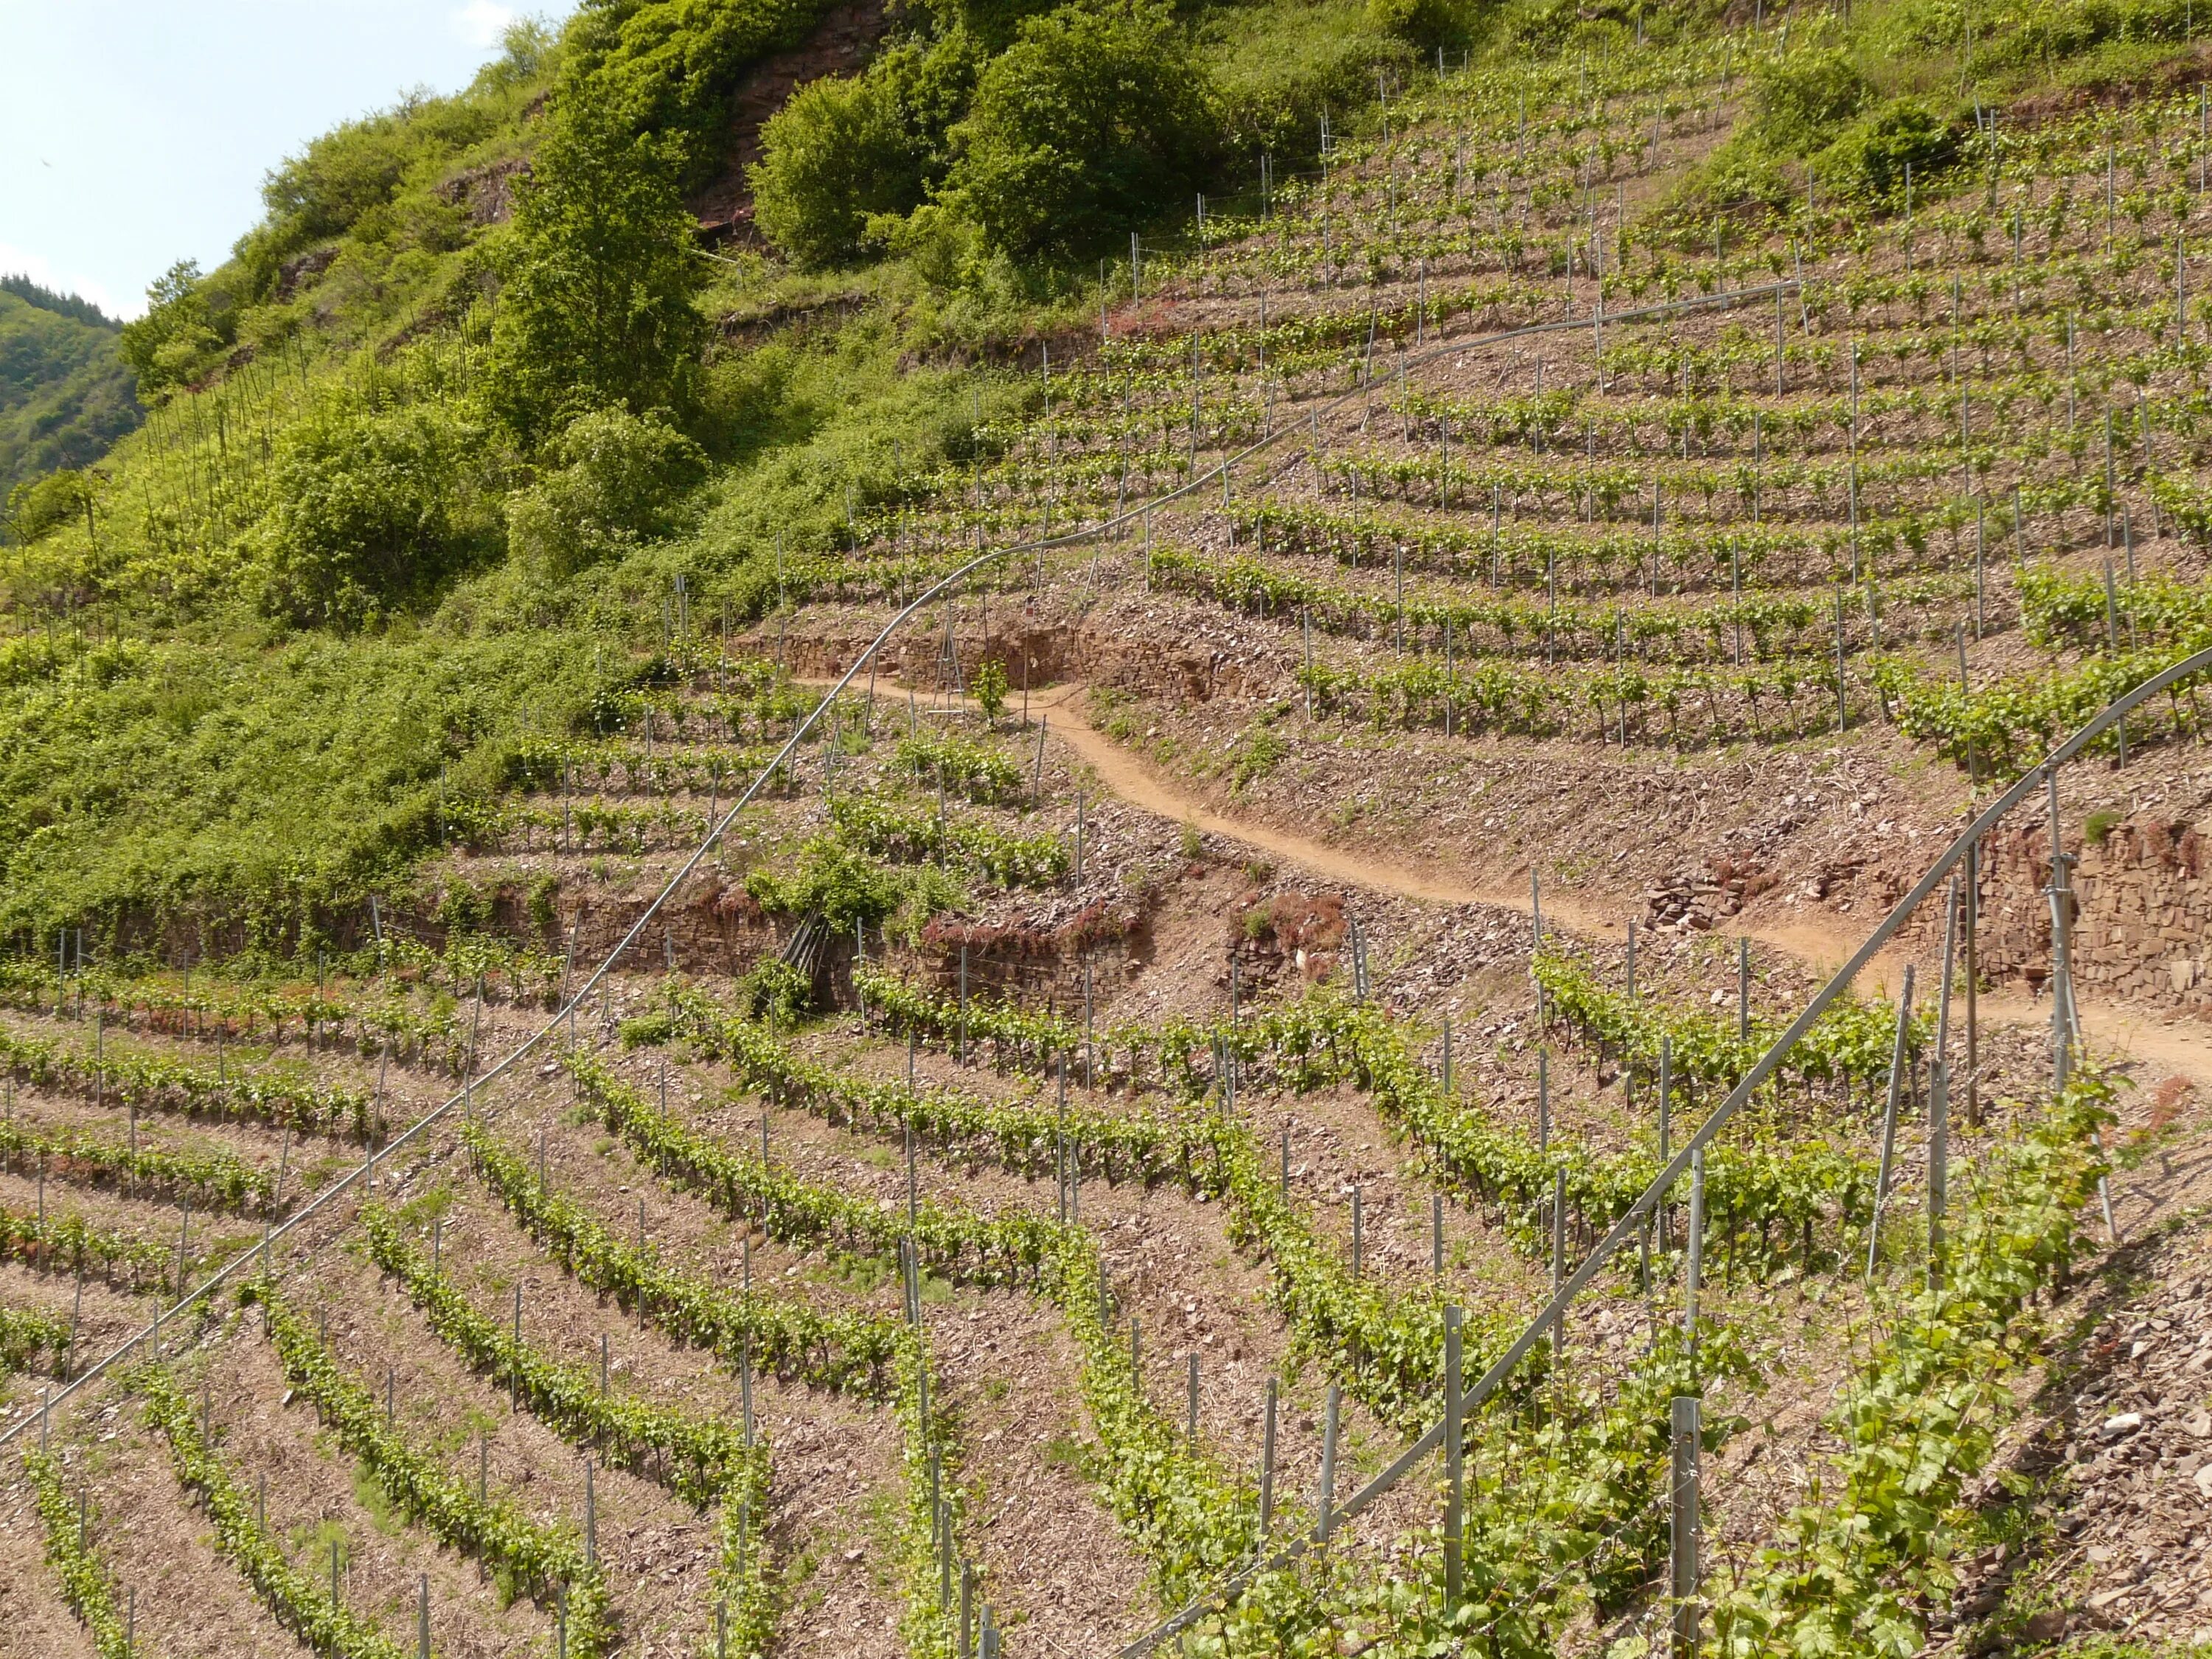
[135, 133]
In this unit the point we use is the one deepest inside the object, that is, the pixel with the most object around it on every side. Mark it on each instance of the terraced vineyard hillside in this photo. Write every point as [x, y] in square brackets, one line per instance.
[1006, 1066]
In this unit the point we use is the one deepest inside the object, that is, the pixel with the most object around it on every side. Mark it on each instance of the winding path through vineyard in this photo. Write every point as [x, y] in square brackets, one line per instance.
[2122, 1031]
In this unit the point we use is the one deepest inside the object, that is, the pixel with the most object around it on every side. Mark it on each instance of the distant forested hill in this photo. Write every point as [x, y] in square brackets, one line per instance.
[65, 394]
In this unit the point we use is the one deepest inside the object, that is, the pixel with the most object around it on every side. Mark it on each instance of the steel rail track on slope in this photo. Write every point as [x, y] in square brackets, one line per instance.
[1624, 1231]
[1222, 471]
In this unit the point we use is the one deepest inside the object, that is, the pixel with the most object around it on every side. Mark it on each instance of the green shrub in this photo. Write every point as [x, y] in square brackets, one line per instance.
[832, 156]
[1740, 175]
[845, 160]
[375, 510]
[2136, 68]
[1425, 23]
[1280, 67]
[773, 989]
[177, 338]
[992, 24]
[649, 1029]
[1799, 101]
[617, 480]
[326, 188]
[597, 309]
[941, 246]
[1870, 158]
[1082, 128]
[372, 179]
[42, 506]
[669, 66]
[830, 877]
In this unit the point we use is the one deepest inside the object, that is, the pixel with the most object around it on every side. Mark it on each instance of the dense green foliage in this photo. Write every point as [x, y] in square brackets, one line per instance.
[24, 1334]
[669, 66]
[596, 308]
[843, 150]
[1081, 128]
[611, 480]
[270, 785]
[374, 509]
[1049, 133]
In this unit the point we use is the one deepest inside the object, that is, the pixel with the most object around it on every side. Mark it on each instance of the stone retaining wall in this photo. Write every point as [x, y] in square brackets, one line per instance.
[2142, 921]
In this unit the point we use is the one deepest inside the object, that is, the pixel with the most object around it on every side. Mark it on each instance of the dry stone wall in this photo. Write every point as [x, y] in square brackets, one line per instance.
[2142, 922]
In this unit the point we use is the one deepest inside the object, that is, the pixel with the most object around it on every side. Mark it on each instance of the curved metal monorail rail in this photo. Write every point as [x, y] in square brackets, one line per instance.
[1222, 472]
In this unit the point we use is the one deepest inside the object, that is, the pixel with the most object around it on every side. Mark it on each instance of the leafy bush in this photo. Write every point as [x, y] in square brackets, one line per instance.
[1870, 158]
[372, 178]
[845, 158]
[669, 66]
[42, 506]
[1739, 178]
[323, 190]
[597, 309]
[617, 479]
[773, 989]
[176, 337]
[831, 157]
[992, 24]
[1280, 67]
[1429, 23]
[375, 509]
[1082, 127]
[833, 879]
[1799, 101]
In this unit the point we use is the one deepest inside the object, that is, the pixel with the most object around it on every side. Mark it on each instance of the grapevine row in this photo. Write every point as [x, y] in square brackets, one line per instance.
[527, 1557]
[297, 1601]
[707, 1460]
[157, 1083]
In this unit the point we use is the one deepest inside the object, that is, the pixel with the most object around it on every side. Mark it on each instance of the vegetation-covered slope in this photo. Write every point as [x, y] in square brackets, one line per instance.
[65, 392]
[1633, 441]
